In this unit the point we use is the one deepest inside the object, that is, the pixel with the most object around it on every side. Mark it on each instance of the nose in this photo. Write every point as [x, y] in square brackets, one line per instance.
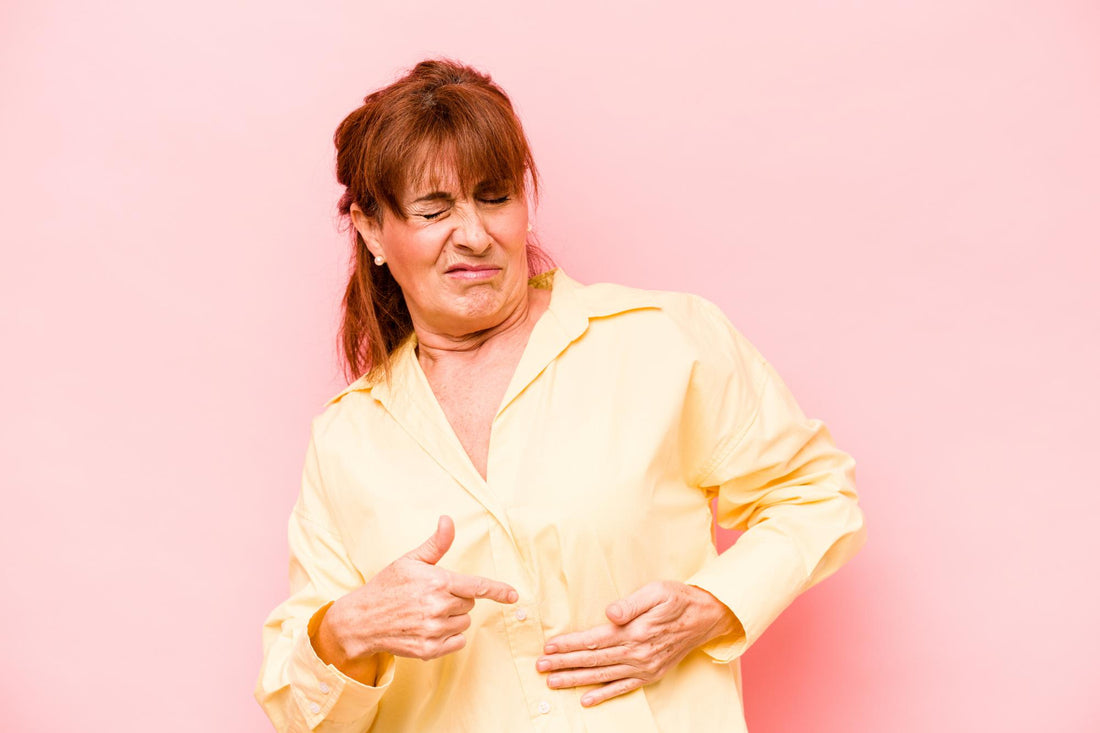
[470, 232]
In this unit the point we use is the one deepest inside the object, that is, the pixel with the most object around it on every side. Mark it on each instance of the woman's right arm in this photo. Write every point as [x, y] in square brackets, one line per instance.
[296, 688]
[329, 648]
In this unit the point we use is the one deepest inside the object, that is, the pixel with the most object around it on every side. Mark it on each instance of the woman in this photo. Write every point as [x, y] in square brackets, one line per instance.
[504, 521]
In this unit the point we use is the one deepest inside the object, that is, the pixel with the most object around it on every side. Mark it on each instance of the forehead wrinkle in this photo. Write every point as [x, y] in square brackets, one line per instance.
[434, 196]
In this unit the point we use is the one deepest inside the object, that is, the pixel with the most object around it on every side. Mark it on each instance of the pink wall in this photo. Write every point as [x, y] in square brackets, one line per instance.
[897, 202]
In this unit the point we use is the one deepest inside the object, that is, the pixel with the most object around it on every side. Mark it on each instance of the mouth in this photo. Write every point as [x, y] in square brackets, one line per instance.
[472, 272]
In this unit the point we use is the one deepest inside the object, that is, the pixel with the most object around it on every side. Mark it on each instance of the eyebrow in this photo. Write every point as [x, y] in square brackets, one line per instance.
[433, 196]
[486, 185]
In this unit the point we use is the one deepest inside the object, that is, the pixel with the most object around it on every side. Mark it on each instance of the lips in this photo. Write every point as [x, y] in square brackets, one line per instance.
[473, 273]
[472, 268]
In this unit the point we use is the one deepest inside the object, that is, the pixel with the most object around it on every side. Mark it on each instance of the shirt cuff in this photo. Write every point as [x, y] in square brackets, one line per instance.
[756, 578]
[322, 691]
[727, 647]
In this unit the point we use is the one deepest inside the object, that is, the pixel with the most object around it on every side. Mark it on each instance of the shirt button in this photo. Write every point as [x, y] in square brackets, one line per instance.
[315, 708]
[324, 687]
[521, 614]
[544, 707]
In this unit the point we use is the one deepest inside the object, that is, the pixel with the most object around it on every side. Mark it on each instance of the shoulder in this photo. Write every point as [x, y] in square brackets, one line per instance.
[699, 324]
[343, 416]
[610, 298]
[331, 405]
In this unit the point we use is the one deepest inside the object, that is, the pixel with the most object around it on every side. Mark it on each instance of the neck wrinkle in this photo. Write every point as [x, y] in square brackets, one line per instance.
[476, 345]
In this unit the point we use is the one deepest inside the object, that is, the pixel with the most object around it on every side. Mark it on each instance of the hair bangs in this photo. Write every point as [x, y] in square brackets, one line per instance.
[461, 143]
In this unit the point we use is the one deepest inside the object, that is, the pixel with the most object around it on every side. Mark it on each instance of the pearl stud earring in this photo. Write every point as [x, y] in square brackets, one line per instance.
[379, 259]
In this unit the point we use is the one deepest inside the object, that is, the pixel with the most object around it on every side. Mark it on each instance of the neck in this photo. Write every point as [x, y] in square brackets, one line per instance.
[437, 346]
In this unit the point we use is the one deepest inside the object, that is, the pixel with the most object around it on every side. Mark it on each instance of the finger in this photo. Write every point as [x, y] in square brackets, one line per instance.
[594, 676]
[610, 690]
[627, 609]
[475, 586]
[459, 606]
[433, 548]
[598, 637]
[451, 644]
[574, 660]
[454, 625]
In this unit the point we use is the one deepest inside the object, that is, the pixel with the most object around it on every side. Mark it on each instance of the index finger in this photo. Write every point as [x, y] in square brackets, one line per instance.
[598, 637]
[475, 586]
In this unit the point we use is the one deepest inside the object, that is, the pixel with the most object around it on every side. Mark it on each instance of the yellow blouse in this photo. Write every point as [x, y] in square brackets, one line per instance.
[629, 411]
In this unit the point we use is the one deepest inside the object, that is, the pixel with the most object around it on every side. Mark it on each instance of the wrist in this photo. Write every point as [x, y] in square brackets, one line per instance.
[330, 645]
[723, 620]
[325, 637]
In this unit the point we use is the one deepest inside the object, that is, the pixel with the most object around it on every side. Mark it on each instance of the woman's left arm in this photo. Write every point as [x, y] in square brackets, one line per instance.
[779, 477]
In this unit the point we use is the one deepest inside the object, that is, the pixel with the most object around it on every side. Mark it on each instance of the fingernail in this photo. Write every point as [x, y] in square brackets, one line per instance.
[543, 665]
[586, 700]
[553, 680]
[550, 649]
[513, 596]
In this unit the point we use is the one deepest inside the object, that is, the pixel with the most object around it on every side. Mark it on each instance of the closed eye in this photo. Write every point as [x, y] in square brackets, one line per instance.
[500, 200]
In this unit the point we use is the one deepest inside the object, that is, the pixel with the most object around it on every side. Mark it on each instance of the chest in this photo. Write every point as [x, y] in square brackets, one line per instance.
[470, 400]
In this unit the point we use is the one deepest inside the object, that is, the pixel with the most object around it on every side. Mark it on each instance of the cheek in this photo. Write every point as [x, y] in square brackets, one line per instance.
[413, 262]
[414, 250]
[510, 231]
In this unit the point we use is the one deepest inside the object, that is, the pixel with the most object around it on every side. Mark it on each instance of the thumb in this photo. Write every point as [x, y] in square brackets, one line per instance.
[436, 546]
[625, 610]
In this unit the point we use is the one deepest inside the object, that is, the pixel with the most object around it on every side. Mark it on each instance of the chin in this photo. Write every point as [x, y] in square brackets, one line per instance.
[486, 308]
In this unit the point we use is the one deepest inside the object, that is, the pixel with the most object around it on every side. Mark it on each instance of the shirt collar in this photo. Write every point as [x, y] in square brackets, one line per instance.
[572, 306]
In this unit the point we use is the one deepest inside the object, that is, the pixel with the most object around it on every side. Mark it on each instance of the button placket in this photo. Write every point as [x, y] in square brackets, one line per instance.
[524, 630]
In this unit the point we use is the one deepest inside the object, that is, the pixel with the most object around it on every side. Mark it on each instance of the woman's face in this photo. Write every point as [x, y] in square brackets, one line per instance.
[460, 257]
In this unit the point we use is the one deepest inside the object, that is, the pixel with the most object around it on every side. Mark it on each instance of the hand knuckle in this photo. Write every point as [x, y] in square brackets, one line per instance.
[354, 648]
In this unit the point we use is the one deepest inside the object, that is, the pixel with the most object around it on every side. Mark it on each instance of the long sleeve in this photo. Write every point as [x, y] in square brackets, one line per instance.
[297, 690]
[779, 477]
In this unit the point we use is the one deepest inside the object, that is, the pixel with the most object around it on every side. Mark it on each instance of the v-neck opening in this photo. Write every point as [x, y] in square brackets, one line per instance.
[509, 389]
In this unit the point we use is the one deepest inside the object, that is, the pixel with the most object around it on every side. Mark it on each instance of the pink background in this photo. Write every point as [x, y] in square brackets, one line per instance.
[897, 202]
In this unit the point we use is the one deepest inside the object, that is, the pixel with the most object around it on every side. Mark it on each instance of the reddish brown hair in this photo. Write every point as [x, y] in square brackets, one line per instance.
[441, 116]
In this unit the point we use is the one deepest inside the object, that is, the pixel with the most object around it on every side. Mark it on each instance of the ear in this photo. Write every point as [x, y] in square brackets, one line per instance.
[369, 229]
